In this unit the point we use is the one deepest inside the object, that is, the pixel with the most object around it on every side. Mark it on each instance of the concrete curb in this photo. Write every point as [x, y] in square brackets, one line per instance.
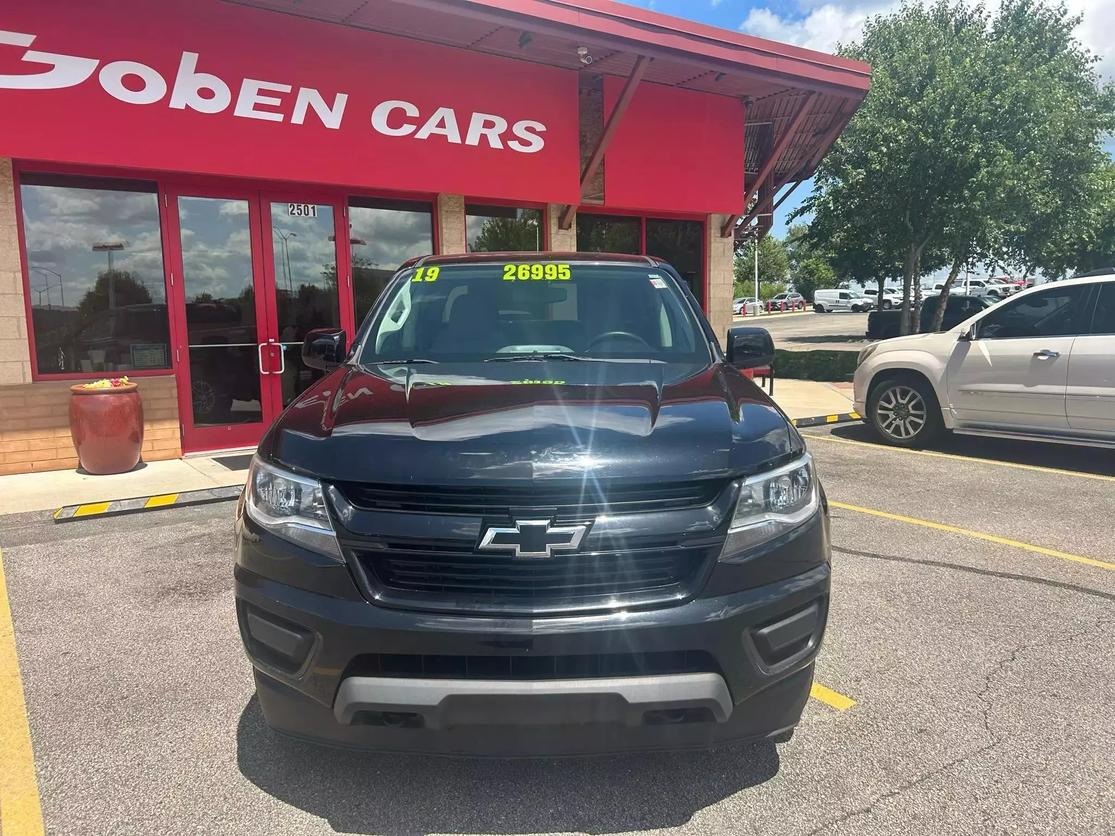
[117, 507]
[825, 420]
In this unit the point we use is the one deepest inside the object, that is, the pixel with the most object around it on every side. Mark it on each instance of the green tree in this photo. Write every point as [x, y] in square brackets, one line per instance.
[971, 130]
[119, 286]
[810, 263]
[511, 234]
[1096, 249]
[774, 265]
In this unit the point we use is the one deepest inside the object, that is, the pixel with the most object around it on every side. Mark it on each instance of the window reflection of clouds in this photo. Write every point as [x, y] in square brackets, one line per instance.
[62, 224]
[309, 252]
[390, 236]
[216, 247]
[385, 234]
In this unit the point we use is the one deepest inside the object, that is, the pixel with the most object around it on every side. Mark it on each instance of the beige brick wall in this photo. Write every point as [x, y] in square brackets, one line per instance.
[451, 224]
[15, 358]
[561, 240]
[35, 424]
[720, 258]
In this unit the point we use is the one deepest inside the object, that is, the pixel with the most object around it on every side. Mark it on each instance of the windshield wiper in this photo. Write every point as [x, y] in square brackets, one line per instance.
[400, 362]
[511, 357]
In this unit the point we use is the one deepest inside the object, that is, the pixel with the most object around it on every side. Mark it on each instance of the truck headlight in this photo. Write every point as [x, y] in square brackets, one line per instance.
[290, 506]
[770, 505]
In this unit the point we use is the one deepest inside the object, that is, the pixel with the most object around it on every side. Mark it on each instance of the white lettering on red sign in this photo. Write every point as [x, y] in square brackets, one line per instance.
[204, 92]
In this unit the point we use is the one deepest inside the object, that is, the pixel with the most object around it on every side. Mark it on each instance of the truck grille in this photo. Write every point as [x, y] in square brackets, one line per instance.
[462, 580]
[531, 667]
[566, 499]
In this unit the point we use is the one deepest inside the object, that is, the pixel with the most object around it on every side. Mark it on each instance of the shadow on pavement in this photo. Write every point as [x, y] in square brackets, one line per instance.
[380, 793]
[1094, 460]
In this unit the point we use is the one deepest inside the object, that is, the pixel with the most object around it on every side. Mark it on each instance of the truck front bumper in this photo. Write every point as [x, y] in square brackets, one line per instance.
[713, 670]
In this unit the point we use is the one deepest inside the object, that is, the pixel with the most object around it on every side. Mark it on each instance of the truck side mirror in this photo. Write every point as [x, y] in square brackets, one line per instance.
[750, 348]
[324, 348]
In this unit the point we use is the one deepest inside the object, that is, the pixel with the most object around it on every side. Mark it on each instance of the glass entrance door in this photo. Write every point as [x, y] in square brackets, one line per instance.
[302, 279]
[256, 274]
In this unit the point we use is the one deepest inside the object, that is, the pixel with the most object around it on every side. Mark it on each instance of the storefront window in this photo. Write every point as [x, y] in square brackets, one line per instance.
[384, 234]
[95, 274]
[490, 229]
[681, 243]
[609, 234]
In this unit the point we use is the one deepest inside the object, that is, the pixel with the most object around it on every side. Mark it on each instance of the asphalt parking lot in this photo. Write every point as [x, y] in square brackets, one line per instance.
[807, 331]
[972, 615]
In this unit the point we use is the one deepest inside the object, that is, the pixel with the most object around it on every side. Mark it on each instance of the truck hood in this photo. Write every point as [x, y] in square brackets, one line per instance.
[456, 424]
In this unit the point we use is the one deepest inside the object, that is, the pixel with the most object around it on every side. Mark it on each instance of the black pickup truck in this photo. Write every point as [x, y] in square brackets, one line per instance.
[882, 325]
[533, 508]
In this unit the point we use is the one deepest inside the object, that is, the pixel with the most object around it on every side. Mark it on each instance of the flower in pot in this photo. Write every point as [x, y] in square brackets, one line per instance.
[106, 424]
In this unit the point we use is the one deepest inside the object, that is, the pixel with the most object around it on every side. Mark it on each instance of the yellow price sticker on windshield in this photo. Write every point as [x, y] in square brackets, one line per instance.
[426, 274]
[536, 272]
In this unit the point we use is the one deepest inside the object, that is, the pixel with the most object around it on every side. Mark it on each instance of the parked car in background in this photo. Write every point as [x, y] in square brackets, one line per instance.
[891, 298]
[1000, 288]
[747, 306]
[882, 325]
[825, 301]
[1036, 366]
[786, 301]
[991, 288]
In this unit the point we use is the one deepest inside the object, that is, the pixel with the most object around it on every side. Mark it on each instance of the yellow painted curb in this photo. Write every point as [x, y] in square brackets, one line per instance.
[20, 811]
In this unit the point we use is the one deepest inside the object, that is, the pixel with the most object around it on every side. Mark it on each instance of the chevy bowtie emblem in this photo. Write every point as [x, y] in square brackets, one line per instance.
[533, 538]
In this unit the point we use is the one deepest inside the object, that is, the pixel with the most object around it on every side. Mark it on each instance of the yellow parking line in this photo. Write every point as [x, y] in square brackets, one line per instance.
[978, 535]
[91, 508]
[161, 500]
[970, 459]
[830, 697]
[20, 812]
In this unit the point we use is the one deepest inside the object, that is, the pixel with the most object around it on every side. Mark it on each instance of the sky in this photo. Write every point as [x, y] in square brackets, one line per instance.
[822, 24]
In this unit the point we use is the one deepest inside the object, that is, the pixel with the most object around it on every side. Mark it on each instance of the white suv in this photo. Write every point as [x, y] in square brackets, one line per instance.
[1037, 365]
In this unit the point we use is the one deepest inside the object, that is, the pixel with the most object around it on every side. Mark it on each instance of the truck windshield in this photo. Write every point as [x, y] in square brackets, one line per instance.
[534, 311]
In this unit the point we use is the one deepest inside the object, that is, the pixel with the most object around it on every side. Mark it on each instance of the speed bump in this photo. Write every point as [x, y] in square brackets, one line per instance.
[824, 420]
[116, 507]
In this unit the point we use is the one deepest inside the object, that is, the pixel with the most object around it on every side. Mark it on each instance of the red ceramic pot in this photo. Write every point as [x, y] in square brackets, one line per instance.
[107, 428]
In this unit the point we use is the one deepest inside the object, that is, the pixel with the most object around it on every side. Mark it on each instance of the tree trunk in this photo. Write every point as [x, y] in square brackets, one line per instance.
[882, 284]
[942, 300]
[907, 283]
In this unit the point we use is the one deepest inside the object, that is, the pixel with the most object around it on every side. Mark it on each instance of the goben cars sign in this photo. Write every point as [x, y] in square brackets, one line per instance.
[214, 88]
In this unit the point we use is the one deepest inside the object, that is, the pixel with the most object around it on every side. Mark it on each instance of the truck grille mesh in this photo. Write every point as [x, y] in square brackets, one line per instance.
[567, 499]
[455, 580]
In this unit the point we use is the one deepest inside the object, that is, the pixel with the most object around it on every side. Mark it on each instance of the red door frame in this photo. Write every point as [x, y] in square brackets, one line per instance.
[259, 202]
[230, 435]
[342, 256]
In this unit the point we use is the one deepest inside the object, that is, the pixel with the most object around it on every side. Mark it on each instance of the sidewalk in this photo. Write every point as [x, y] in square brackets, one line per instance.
[52, 489]
[810, 399]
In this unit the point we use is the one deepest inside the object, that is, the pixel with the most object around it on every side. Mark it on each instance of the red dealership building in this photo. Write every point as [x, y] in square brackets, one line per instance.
[187, 186]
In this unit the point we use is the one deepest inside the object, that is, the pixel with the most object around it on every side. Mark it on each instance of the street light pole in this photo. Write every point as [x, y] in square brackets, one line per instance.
[757, 273]
[110, 247]
[46, 271]
[286, 257]
[757, 238]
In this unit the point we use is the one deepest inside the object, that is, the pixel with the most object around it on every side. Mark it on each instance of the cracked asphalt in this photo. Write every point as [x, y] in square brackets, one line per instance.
[982, 672]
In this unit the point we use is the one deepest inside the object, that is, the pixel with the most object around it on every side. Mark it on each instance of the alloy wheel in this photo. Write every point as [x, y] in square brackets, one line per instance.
[901, 412]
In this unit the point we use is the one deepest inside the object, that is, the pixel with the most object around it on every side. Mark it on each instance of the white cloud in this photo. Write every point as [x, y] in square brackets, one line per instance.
[822, 25]
[822, 28]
